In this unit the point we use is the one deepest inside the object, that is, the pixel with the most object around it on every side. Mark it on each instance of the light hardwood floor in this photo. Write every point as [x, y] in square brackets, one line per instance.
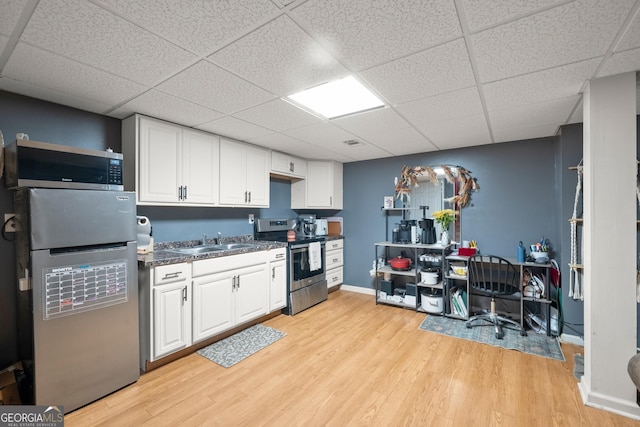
[348, 361]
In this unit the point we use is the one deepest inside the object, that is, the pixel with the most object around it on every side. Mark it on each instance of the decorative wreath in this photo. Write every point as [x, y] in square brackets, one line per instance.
[467, 183]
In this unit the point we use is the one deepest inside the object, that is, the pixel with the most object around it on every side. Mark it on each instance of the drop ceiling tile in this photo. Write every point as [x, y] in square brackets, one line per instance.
[437, 70]
[284, 143]
[621, 62]
[631, 37]
[278, 115]
[557, 111]
[372, 124]
[120, 113]
[279, 142]
[234, 128]
[3, 42]
[199, 26]
[166, 107]
[89, 34]
[280, 58]
[403, 141]
[368, 32]
[554, 83]
[462, 131]
[38, 67]
[526, 132]
[210, 86]
[23, 88]
[364, 151]
[486, 13]
[321, 134]
[386, 130]
[461, 103]
[573, 32]
[9, 13]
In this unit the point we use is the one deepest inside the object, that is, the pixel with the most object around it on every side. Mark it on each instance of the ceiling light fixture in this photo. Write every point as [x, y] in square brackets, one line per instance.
[337, 99]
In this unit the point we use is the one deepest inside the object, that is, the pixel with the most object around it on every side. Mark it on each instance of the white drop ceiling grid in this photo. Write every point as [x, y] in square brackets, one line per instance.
[454, 73]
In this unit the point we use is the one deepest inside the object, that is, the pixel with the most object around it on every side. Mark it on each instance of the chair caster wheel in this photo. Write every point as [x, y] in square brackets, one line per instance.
[523, 333]
[468, 326]
[499, 335]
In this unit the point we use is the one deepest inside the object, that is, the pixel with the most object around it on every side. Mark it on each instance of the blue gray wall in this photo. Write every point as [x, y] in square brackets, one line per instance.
[519, 198]
[515, 201]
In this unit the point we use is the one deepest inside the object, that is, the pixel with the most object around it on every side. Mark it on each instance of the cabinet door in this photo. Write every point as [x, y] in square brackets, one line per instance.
[160, 154]
[284, 164]
[323, 185]
[257, 176]
[172, 318]
[251, 293]
[278, 285]
[212, 305]
[319, 184]
[233, 173]
[200, 167]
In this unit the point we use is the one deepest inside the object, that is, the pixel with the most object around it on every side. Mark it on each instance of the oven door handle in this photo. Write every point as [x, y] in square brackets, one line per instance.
[301, 246]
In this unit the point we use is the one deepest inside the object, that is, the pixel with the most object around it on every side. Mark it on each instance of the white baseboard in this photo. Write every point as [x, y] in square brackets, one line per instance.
[572, 339]
[358, 289]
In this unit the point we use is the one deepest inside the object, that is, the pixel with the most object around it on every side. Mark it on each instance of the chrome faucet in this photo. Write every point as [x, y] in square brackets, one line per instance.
[204, 239]
[218, 238]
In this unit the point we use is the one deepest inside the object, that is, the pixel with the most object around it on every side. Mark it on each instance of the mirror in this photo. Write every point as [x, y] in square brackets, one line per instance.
[436, 187]
[428, 197]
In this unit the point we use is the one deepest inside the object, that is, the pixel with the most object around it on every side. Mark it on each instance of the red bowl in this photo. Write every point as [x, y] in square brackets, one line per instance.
[400, 263]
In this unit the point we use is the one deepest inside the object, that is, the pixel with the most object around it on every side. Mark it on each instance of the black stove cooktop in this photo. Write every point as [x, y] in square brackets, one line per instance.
[276, 230]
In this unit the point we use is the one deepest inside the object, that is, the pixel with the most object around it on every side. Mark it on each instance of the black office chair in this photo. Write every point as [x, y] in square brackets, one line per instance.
[494, 277]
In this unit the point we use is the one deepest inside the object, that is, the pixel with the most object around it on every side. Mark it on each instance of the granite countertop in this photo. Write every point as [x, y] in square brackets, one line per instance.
[163, 255]
[162, 252]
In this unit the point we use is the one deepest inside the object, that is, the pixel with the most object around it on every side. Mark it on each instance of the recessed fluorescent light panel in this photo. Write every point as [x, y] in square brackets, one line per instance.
[339, 98]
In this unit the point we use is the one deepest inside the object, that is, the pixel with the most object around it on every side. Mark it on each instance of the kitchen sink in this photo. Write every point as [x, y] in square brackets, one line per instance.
[228, 246]
[203, 249]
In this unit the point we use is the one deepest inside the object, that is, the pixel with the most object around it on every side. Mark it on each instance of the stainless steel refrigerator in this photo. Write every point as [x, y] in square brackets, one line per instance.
[78, 297]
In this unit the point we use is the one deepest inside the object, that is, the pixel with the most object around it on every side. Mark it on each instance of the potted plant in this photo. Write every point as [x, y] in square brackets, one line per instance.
[444, 218]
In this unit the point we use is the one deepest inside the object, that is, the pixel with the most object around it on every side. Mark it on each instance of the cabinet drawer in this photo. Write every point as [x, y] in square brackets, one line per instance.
[334, 277]
[230, 262]
[277, 254]
[334, 244]
[334, 259]
[170, 273]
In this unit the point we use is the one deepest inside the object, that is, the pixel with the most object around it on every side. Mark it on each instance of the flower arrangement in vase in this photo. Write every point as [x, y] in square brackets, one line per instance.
[444, 218]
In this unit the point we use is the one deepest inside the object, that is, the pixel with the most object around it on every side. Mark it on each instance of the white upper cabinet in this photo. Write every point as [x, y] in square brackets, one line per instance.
[322, 187]
[287, 165]
[244, 174]
[167, 164]
[200, 166]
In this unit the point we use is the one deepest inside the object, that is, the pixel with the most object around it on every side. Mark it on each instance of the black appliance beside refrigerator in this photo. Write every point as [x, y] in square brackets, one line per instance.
[78, 297]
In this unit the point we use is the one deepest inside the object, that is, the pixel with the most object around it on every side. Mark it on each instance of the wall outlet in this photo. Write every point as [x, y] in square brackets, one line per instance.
[9, 223]
[250, 218]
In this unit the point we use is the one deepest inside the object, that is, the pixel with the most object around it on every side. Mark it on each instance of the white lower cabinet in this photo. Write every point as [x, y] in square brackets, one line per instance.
[212, 305]
[277, 279]
[334, 261]
[228, 291]
[185, 303]
[171, 309]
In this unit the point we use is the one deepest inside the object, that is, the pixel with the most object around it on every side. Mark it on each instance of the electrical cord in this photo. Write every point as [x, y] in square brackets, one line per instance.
[4, 234]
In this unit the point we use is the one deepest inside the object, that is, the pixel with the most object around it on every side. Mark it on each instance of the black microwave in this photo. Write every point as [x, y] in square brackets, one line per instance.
[41, 164]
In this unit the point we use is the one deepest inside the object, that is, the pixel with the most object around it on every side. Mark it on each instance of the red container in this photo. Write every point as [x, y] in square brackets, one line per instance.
[466, 251]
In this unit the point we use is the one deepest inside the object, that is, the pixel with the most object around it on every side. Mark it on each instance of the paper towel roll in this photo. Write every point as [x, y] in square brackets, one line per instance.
[144, 225]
